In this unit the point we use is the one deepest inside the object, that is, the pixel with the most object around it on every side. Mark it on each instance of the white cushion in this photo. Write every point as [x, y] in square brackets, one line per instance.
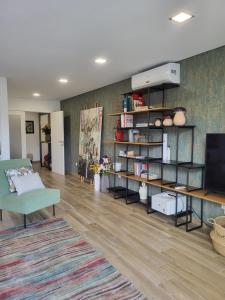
[27, 183]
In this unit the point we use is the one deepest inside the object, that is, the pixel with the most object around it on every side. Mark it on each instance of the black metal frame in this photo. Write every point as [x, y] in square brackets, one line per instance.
[188, 214]
[25, 216]
[124, 192]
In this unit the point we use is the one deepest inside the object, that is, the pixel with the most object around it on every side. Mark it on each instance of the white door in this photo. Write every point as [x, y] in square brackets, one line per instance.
[57, 141]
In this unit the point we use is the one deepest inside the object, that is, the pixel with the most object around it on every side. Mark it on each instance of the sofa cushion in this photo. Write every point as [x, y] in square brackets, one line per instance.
[31, 201]
[27, 183]
[10, 173]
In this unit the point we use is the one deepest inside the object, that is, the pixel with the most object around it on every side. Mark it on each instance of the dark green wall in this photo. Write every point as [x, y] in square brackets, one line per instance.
[202, 92]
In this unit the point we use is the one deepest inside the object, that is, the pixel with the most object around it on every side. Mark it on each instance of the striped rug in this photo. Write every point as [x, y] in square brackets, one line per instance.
[49, 260]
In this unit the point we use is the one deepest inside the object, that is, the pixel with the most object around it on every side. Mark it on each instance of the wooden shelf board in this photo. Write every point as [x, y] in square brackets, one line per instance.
[201, 194]
[156, 109]
[137, 143]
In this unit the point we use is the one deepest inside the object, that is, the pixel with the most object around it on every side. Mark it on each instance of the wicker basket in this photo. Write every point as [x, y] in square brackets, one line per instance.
[218, 242]
[218, 225]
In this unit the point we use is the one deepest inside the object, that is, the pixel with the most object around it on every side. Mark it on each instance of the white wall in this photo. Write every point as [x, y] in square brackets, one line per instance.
[15, 136]
[21, 115]
[34, 105]
[4, 120]
[33, 140]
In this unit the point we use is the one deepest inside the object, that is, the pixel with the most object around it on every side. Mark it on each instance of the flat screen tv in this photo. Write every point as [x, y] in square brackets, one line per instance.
[215, 163]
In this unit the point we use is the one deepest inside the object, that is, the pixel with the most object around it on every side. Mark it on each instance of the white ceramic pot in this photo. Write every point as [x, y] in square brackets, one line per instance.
[179, 118]
[143, 191]
[97, 182]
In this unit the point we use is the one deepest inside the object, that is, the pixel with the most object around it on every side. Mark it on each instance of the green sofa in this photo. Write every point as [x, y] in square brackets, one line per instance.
[28, 202]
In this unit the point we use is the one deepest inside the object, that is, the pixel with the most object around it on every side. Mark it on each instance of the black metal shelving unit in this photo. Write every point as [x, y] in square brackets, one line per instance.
[189, 166]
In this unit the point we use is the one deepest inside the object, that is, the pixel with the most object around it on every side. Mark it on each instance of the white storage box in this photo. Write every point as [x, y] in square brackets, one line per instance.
[166, 203]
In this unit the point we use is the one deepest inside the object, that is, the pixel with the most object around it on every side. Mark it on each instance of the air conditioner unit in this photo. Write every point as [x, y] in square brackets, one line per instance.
[166, 74]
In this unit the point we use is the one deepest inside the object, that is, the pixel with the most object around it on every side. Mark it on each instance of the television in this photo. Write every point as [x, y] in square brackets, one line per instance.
[215, 163]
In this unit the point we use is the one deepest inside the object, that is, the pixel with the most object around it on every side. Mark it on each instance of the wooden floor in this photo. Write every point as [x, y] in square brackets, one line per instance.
[164, 262]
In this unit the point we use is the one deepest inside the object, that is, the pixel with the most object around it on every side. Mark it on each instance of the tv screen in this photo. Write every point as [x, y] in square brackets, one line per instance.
[215, 163]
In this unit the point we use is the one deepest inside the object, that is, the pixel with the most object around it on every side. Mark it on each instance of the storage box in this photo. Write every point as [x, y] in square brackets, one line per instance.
[166, 203]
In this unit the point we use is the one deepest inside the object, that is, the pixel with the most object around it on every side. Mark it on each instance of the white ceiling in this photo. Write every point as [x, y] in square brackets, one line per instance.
[42, 40]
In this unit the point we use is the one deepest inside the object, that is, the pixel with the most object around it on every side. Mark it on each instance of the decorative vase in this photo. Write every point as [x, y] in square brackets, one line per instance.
[158, 122]
[167, 121]
[143, 191]
[97, 182]
[104, 183]
[179, 118]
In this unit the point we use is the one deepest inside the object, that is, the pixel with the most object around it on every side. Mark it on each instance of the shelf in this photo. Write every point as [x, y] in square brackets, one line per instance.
[179, 164]
[136, 143]
[166, 185]
[182, 164]
[133, 112]
[145, 159]
[159, 127]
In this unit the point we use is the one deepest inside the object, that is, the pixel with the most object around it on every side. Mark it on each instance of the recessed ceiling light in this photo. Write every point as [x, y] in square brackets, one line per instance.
[63, 80]
[181, 17]
[36, 94]
[100, 60]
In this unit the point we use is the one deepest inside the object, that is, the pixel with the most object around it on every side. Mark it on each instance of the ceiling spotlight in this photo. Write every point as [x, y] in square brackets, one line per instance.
[63, 80]
[100, 60]
[181, 17]
[36, 94]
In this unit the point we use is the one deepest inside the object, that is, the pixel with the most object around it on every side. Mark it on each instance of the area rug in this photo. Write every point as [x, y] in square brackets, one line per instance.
[49, 260]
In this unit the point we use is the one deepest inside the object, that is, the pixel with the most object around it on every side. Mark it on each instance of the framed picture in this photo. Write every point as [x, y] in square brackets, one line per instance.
[29, 127]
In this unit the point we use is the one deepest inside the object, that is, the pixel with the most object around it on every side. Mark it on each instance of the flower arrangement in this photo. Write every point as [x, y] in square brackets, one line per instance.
[102, 167]
[46, 129]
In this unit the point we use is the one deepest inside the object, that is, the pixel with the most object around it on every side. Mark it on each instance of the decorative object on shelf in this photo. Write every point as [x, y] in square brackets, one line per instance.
[127, 120]
[119, 135]
[144, 124]
[179, 118]
[122, 153]
[143, 138]
[138, 101]
[117, 166]
[166, 150]
[167, 121]
[131, 135]
[130, 153]
[90, 138]
[158, 122]
[29, 127]
[137, 168]
[47, 131]
[126, 103]
[143, 191]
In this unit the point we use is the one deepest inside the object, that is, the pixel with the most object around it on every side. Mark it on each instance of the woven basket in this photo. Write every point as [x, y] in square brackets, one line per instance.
[218, 225]
[218, 242]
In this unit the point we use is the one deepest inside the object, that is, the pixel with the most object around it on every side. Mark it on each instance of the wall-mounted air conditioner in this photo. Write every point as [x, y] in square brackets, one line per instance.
[166, 74]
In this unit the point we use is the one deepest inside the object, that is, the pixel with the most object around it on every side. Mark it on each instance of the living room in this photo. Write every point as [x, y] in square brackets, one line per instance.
[112, 141]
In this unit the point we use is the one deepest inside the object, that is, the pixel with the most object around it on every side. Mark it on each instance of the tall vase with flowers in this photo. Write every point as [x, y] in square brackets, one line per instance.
[101, 170]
